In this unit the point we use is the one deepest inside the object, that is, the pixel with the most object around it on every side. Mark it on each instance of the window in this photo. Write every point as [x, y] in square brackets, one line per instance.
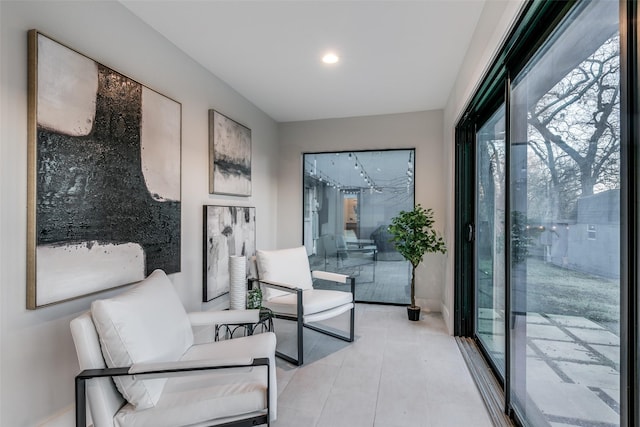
[552, 287]
[565, 167]
[489, 242]
[350, 198]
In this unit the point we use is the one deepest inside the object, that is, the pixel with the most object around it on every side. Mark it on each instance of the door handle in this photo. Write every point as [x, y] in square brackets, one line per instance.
[469, 232]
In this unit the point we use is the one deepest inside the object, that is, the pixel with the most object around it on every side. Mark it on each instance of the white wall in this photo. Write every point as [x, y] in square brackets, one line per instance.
[492, 28]
[420, 130]
[38, 361]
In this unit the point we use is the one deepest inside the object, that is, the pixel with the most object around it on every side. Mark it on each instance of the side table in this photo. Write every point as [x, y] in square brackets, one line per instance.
[235, 330]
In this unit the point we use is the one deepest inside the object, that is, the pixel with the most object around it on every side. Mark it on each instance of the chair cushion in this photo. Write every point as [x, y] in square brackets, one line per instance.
[201, 398]
[196, 399]
[147, 323]
[288, 267]
[314, 301]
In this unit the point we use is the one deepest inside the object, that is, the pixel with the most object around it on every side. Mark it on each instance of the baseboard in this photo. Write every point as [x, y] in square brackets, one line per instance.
[63, 418]
[445, 316]
[428, 305]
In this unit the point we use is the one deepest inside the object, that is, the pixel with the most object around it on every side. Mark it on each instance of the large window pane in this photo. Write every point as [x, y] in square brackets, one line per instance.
[565, 225]
[490, 204]
[350, 198]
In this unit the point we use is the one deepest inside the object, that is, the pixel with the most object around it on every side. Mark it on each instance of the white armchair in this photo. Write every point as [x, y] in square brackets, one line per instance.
[140, 366]
[287, 283]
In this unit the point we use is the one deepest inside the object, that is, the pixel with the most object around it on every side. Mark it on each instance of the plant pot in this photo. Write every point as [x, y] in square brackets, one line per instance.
[413, 313]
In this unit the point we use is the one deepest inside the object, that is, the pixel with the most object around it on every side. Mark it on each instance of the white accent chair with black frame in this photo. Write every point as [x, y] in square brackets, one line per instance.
[287, 287]
[141, 366]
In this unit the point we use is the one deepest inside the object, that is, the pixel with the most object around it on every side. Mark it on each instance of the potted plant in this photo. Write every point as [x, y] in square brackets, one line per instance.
[413, 235]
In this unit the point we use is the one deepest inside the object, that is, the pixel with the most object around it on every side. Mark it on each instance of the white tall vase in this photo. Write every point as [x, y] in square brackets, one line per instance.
[237, 282]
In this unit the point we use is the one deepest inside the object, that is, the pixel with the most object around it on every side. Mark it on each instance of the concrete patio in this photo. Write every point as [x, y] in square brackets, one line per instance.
[572, 367]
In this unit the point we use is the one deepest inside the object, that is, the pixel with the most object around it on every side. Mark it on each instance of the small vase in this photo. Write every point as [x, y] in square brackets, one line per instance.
[237, 283]
[413, 313]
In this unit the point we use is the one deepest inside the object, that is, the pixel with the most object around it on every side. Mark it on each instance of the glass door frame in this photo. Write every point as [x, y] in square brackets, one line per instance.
[537, 20]
[629, 198]
[410, 184]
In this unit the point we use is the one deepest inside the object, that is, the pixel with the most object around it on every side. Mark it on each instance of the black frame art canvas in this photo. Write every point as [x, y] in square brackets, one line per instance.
[104, 177]
[229, 156]
[228, 230]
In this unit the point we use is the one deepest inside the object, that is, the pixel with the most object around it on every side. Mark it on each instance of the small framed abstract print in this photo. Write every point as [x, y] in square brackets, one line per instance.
[229, 156]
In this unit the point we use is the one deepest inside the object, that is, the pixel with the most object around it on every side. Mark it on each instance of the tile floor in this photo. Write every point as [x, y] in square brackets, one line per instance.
[396, 374]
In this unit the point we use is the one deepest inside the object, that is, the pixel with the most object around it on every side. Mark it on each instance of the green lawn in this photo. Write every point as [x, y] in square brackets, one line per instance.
[556, 290]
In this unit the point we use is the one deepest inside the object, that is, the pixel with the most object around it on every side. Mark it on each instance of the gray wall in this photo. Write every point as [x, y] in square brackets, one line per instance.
[596, 251]
[419, 130]
[37, 358]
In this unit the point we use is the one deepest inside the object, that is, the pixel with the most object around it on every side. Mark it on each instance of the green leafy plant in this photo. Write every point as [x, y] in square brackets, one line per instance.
[254, 298]
[413, 236]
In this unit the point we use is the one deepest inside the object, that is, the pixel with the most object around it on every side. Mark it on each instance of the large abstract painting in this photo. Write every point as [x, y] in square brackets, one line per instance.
[104, 177]
[228, 230]
[229, 156]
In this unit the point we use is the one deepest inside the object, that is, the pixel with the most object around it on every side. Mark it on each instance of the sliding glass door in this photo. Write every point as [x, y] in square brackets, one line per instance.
[565, 223]
[489, 274]
[550, 231]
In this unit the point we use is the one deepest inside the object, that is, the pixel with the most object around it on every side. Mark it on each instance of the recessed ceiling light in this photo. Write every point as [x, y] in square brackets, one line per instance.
[330, 58]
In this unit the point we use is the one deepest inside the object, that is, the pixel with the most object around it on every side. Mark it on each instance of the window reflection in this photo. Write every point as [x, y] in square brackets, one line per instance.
[490, 243]
[565, 207]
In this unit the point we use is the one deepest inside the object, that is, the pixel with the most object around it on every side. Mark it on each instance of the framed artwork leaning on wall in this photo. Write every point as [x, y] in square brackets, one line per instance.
[228, 230]
[104, 172]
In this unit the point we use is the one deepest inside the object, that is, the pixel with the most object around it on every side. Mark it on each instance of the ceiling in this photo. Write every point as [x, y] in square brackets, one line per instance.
[396, 56]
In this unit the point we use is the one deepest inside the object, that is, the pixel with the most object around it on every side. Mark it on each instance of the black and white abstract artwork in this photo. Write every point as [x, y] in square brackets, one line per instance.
[229, 156]
[104, 177]
[228, 230]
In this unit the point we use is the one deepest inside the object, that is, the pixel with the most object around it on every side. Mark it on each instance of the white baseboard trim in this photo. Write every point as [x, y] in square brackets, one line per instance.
[448, 322]
[64, 418]
[429, 305]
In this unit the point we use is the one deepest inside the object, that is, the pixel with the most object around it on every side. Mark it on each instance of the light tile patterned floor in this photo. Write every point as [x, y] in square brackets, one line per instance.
[396, 374]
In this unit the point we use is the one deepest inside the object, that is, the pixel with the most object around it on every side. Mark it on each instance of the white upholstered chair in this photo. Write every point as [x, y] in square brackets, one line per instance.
[143, 339]
[287, 289]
